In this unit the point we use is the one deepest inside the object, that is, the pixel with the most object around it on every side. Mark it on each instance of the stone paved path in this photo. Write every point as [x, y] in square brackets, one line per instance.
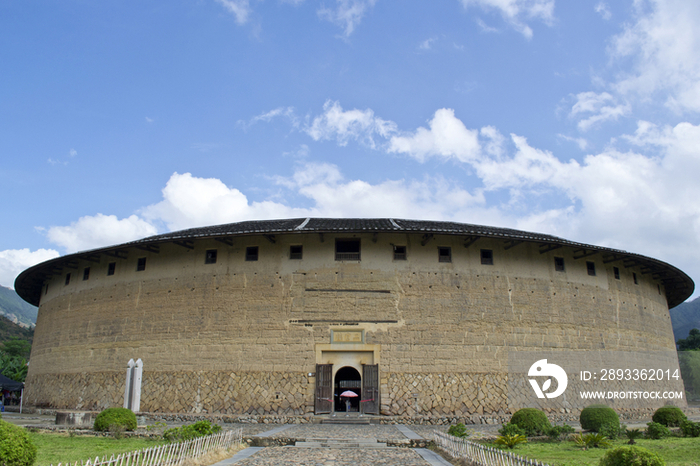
[288, 456]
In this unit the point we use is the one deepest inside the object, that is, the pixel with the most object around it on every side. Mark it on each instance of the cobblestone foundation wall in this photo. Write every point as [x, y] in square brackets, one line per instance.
[437, 395]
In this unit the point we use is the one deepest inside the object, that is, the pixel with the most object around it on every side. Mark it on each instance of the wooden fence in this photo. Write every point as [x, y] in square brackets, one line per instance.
[479, 454]
[173, 454]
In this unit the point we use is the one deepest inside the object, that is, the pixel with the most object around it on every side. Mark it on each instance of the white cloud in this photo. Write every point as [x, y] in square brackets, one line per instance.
[580, 142]
[189, 201]
[239, 8]
[99, 230]
[447, 138]
[603, 107]
[347, 14]
[603, 10]
[343, 126]
[517, 12]
[663, 44]
[427, 44]
[485, 27]
[14, 261]
[432, 198]
[72, 153]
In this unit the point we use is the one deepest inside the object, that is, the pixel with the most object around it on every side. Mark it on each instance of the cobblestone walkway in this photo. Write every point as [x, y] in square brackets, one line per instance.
[283, 456]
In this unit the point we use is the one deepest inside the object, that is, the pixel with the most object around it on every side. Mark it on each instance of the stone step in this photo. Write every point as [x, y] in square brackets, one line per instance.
[346, 420]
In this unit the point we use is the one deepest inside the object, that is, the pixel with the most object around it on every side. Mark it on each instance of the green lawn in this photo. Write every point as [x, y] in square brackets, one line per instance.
[61, 448]
[676, 452]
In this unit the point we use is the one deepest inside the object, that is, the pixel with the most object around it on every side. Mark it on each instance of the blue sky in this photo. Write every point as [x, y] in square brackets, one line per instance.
[120, 120]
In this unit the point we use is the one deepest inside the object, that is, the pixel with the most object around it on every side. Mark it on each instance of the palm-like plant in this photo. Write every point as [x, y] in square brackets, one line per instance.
[633, 434]
[510, 441]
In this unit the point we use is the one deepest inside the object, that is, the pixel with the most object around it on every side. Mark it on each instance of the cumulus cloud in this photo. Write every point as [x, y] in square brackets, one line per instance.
[345, 125]
[347, 14]
[663, 44]
[239, 8]
[189, 201]
[447, 137]
[99, 230]
[14, 261]
[517, 12]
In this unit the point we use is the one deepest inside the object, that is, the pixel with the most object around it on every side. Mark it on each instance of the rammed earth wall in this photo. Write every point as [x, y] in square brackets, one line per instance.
[243, 336]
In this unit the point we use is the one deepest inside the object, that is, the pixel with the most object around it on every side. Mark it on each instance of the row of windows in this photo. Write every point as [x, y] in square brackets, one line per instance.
[349, 249]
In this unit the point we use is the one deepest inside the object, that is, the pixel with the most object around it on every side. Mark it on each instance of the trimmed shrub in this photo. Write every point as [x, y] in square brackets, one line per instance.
[690, 428]
[115, 416]
[532, 421]
[631, 456]
[670, 416]
[657, 431]
[15, 447]
[594, 417]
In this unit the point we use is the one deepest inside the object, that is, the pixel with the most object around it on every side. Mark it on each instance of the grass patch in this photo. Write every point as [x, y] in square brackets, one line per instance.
[675, 451]
[54, 448]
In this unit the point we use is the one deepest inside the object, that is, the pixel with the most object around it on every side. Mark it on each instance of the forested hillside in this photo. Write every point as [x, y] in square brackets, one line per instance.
[15, 308]
[685, 317]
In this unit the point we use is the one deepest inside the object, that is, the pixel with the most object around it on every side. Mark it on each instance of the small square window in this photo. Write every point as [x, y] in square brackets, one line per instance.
[590, 267]
[67, 278]
[111, 267]
[347, 249]
[487, 256]
[616, 272]
[399, 253]
[444, 254]
[141, 264]
[559, 264]
[251, 253]
[634, 277]
[295, 252]
[86, 273]
[210, 257]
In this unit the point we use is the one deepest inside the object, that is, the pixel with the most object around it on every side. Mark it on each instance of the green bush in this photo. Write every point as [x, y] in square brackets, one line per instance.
[532, 421]
[458, 430]
[631, 456]
[115, 416]
[670, 416]
[510, 429]
[594, 417]
[557, 432]
[657, 431]
[690, 428]
[188, 432]
[15, 447]
[612, 431]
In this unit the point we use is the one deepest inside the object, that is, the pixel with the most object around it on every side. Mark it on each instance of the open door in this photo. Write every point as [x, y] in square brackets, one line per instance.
[324, 388]
[370, 388]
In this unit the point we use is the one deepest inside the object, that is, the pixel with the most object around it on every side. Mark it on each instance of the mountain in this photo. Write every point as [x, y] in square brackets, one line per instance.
[685, 317]
[16, 309]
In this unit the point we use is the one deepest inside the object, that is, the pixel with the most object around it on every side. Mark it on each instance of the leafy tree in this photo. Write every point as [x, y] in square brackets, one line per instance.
[690, 343]
[17, 347]
[13, 367]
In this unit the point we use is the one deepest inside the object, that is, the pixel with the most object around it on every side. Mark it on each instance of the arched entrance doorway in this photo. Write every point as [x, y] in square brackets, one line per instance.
[347, 379]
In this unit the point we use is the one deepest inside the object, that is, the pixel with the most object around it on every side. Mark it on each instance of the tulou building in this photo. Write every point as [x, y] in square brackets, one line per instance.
[283, 316]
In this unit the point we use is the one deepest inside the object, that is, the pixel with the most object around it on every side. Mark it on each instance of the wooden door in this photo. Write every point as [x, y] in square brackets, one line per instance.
[370, 388]
[324, 388]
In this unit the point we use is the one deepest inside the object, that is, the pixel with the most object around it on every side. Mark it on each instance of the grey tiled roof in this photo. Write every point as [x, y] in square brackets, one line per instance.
[677, 284]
